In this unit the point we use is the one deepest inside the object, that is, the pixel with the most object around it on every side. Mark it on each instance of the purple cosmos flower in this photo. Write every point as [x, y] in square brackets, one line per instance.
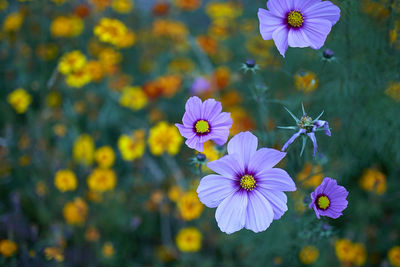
[247, 190]
[204, 121]
[329, 199]
[306, 126]
[297, 23]
[200, 85]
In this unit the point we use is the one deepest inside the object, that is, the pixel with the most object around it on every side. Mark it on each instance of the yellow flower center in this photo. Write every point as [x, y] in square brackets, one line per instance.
[323, 202]
[202, 127]
[295, 18]
[247, 182]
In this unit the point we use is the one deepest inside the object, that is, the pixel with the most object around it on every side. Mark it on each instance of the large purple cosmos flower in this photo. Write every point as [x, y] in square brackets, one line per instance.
[297, 23]
[329, 199]
[247, 190]
[204, 121]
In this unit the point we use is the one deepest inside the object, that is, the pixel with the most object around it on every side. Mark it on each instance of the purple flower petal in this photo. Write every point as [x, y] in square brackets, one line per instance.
[259, 212]
[184, 131]
[226, 166]
[305, 4]
[265, 158]
[323, 10]
[231, 213]
[277, 199]
[321, 123]
[193, 108]
[195, 143]
[222, 120]
[215, 188]
[278, 7]
[291, 139]
[314, 140]
[275, 179]
[268, 23]
[298, 38]
[244, 145]
[317, 30]
[280, 36]
[211, 109]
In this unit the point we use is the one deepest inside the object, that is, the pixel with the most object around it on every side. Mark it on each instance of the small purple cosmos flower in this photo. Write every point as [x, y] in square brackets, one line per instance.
[306, 126]
[247, 190]
[329, 199]
[204, 121]
[200, 85]
[297, 23]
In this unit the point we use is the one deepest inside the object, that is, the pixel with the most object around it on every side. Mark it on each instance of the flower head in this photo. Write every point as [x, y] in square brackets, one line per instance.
[189, 239]
[297, 23]
[65, 180]
[20, 100]
[164, 137]
[306, 126]
[329, 199]
[247, 190]
[204, 121]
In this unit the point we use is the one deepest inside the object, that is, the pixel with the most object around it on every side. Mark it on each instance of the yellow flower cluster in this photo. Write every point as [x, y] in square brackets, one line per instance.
[66, 26]
[374, 181]
[350, 253]
[308, 255]
[65, 180]
[133, 98]
[75, 212]
[189, 239]
[189, 206]
[115, 32]
[164, 137]
[74, 65]
[20, 100]
[132, 146]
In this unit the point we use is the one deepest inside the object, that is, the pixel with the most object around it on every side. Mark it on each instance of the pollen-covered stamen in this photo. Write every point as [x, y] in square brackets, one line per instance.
[306, 123]
[247, 182]
[322, 202]
[295, 19]
[202, 127]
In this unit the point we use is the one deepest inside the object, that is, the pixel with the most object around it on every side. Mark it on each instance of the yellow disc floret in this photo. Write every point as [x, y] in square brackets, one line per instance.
[202, 127]
[295, 19]
[248, 182]
[323, 202]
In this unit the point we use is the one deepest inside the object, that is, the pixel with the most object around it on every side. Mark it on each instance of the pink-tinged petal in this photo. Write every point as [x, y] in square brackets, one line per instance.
[278, 201]
[244, 145]
[323, 10]
[215, 188]
[193, 108]
[226, 166]
[280, 36]
[268, 23]
[278, 7]
[195, 143]
[184, 131]
[275, 179]
[264, 159]
[223, 119]
[297, 38]
[259, 212]
[317, 30]
[211, 109]
[231, 213]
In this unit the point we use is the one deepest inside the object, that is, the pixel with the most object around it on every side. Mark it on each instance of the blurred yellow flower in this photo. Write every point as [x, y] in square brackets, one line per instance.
[175, 30]
[41, 188]
[306, 81]
[53, 99]
[374, 181]
[310, 176]
[20, 100]
[133, 97]
[189, 239]
[102, 180]
[100, 4]
[344, 250]
[92, 234]
[3, 4]
[108, 250]
[164, 137]
[112, 31]
[65, 180]
[174, 193]
[179, 65]
[13, 22]
[189, 206]
[394, 256]
[299, 205]
[95, 69]
[60, 130]
[393, 90]
[226, 10]
[132, 146]
[211, 151]
[75, 212]
[83, 149]
[122, 6]
[54, 253]
[79, 78]
[360, 254]
[8, 248]
[104, 156]
[308, 255]
[71, 62]
[66, 26]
